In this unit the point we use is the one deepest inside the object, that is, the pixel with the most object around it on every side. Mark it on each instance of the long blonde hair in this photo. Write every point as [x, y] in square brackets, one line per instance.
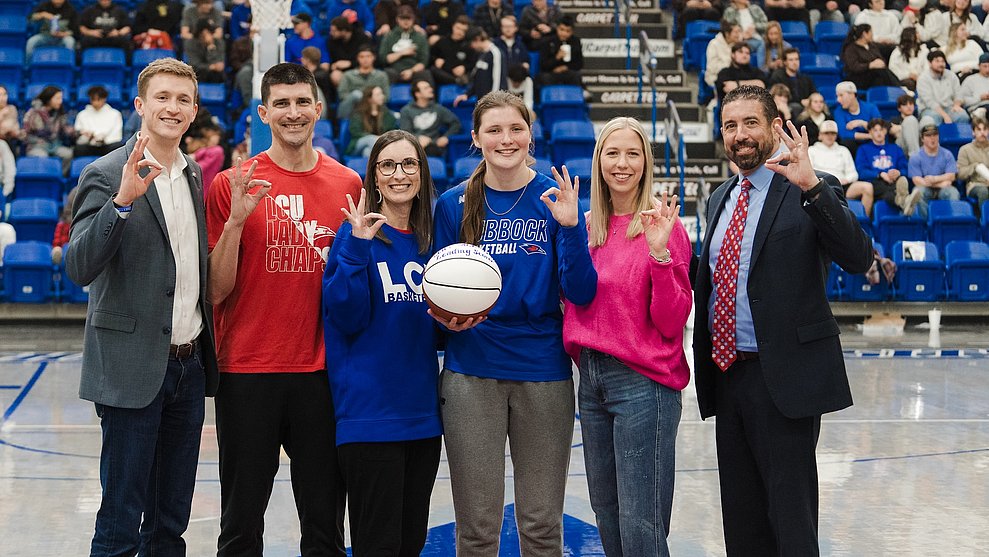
[472, 225]
[953, 42]
[601, 206]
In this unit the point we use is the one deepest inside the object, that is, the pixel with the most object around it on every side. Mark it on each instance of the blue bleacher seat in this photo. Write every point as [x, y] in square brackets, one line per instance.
[885, 99]
[67, 291]
[53, 65]
[984, 216]
[27, 271]
[437, 171]
[20, 8]
[967, 271]
[12, 65]
[39, 177]
[400, 95]
[539, 139]
[561, 102]
[105, 65]
[571, 139]
[13, 30]
[948, 221]
[543, 166]
[829, 36]
[75, 171]
[891, 226]
[581, 167]
[213, 96]
[797, 34]
[465, 113]
[858, 289]
[825, 69]
[447, 93]
[858, 209]
[357, 164]
[954, 135]
[343, 140]
[463, 168]
[141, 59]
[834, 284]
[696, 36]
[34, 218]
[324, 128]
[918, 280]
[461, 145]
[115, 95]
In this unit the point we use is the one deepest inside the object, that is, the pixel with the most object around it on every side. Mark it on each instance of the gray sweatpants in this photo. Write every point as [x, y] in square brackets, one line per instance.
[537, 418]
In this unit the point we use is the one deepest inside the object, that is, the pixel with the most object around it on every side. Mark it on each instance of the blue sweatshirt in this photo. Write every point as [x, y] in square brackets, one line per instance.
[872, 159]
[867, 111]
[380, 342]
[522, 339]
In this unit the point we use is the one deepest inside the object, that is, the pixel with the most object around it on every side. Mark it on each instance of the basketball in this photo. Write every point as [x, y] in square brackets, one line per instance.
[461, 280]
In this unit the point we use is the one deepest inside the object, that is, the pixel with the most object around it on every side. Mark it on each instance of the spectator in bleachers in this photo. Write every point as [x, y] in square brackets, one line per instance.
[865, 64]
[537, 23]
[781, 96]
[453, 57]
[99, 127]
[241, 60]
[939, 93]
[8, 171]
[883, 165]
[488, 14]
[885, 26]
[909, 59]
[386, 15]
[788, 10]
[905, 126]
[239, 19]
[829, 10]
[932, 170]
[932, 21]
[801, 85]
[370, 119]
[62, 227]
[975, 89]
[203, 145]
[355, 81]
[438, 17]
[431, 122]
[769, 56]
[155, 22]
[58, 23]
[520, 85]
[357, 12]
[814, 115]
[342, 46]
[961, 12]
[962, 53]
[973, 163]
[303, 36]
[206, 53]
[853, 116]
[739, 72]
[718, 54]
[47, 132]
[201, 9]
[404, 52]
[104, 24]
[827, 155]
[490, 71]
[10, 126]
[513, 50]
[312, 60]
[750, 18]
[561, 58]
[694, 10]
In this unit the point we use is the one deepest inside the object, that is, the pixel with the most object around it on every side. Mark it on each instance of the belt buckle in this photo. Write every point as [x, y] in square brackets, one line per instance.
[182, 351]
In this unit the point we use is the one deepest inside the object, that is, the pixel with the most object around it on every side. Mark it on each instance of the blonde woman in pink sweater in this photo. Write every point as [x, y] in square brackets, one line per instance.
[628, 344]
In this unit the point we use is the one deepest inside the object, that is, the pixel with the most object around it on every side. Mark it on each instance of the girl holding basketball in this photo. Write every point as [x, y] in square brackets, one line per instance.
[628, 344]
[509, 376]
[386, 401]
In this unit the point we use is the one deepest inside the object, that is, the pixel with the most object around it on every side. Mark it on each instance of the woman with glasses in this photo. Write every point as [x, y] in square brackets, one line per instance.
[385, 399]
[509, 377]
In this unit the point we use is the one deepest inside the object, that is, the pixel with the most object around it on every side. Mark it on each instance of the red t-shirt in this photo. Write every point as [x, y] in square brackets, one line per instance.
[271, 322]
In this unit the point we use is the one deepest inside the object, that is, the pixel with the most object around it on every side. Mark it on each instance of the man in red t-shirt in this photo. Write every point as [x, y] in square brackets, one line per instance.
[267, 253]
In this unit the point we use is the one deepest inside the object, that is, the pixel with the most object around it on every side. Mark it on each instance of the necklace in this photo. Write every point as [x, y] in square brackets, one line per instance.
[521, 195]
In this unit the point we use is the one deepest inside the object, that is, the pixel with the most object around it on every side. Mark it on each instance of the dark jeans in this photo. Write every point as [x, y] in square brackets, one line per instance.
[256, 415]
[388, 488]
[148, 466]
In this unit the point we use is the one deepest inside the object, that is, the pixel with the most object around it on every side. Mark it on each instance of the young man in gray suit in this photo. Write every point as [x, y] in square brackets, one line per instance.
[138, 239]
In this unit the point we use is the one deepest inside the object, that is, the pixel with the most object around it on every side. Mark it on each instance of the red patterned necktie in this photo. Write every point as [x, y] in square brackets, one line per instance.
[726, 283]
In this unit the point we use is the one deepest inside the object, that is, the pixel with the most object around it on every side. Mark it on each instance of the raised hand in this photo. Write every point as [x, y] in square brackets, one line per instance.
[658, 223]
[795, 166]
[132, 185]
[566, 208]
[363, 226]
[242, 201]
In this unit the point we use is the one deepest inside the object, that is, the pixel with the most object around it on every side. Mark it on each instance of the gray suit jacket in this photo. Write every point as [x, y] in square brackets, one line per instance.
[129, 266]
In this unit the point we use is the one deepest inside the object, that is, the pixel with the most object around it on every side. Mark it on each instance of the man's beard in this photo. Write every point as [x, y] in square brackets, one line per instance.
[752, 160]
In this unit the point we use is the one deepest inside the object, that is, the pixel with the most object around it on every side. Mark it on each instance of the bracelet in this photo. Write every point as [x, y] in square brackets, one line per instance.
[666, 258]
[817, 189]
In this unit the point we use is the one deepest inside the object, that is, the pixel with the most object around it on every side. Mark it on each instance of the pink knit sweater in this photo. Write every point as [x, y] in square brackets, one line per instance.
[640, 308]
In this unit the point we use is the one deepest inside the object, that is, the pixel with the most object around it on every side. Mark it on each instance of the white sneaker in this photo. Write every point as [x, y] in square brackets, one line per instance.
[910, 203]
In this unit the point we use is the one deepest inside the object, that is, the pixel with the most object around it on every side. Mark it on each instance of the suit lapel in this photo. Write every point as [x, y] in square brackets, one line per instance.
[774, 200]
[196, 189]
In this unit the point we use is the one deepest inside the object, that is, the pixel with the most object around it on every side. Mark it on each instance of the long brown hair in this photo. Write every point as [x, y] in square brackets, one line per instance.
[421, 216]
[472, 224]
[372, 122]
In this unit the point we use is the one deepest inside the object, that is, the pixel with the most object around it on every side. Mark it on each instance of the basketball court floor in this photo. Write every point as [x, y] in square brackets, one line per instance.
[903, 472]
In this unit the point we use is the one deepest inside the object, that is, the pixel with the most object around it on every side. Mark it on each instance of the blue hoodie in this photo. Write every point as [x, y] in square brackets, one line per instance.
[522, 339]
[380, 342]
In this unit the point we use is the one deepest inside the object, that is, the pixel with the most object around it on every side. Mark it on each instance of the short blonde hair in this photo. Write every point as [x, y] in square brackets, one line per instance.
[165, 66]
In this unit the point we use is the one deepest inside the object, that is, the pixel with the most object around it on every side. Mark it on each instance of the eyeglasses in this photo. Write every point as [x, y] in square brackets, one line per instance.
[387, 167]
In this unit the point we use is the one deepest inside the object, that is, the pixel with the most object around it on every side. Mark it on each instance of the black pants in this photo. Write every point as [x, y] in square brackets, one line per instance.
[389, 485]
[256, 415]
[767, 467]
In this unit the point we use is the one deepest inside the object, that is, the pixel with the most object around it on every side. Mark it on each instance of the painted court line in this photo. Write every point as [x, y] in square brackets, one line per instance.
[24, 392]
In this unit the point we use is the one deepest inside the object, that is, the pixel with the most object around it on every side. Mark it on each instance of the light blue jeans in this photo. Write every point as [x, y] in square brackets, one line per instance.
[927, 194]
[629, 426]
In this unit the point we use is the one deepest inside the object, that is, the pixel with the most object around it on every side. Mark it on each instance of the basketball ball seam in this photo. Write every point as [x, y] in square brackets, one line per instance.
[485, 263]
[462, 287]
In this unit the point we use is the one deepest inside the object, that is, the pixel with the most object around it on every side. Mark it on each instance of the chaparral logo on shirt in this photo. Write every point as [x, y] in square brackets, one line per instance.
[532, 249]
[294, 244]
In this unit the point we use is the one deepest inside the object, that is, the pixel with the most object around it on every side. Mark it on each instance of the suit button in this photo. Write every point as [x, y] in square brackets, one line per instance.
[754, 300]
[170, 293]
[166, 330]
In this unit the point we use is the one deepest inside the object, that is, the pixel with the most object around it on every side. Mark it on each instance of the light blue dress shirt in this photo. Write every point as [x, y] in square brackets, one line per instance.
[761, 178]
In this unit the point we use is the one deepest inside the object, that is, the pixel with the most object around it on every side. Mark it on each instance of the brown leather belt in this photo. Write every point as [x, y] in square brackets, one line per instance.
[743, 356]
[182, 351]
